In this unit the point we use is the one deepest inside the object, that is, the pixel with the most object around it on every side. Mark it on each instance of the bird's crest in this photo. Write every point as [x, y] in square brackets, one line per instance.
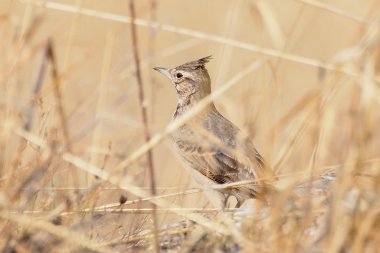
[200, 63]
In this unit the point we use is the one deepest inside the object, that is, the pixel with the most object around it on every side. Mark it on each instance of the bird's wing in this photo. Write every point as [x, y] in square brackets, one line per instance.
[215, 163]
[221, 167]
[236, 171]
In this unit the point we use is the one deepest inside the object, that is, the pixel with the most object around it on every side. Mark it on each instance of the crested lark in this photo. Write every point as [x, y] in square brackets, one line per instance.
[214, 149]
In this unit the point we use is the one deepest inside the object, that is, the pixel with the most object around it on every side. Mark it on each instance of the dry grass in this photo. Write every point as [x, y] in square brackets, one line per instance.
[81, 110]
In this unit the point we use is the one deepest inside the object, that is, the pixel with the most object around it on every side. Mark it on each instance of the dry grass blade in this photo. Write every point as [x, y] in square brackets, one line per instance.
[120, 210]
[36, 87]
[144, 113]
[335, 10]
[58, 94]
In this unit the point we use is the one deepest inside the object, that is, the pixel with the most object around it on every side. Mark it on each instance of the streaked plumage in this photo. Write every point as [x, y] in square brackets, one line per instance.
[213, 148]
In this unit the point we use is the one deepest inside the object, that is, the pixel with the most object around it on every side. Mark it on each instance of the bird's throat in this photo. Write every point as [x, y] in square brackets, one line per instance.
[185, 104]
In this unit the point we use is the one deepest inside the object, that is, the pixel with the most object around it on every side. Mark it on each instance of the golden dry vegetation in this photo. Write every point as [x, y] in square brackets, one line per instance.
[301, 77]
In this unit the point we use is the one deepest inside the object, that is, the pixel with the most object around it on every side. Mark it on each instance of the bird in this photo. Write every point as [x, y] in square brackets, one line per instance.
[214, 150]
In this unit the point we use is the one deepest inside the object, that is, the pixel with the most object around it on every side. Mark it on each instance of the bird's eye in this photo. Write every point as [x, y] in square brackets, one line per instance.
[179, 75]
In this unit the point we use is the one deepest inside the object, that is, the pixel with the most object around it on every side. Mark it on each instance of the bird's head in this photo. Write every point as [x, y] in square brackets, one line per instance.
[190, 79]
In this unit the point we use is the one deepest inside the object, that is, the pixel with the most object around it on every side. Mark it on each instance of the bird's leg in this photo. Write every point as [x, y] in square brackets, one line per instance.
[238, 203]
[225, 201]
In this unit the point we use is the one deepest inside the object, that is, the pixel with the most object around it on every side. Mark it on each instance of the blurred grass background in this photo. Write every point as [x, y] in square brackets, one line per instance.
[312, 105]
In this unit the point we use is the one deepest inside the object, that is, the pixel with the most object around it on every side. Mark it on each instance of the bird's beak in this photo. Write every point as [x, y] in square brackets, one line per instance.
[164, 71]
